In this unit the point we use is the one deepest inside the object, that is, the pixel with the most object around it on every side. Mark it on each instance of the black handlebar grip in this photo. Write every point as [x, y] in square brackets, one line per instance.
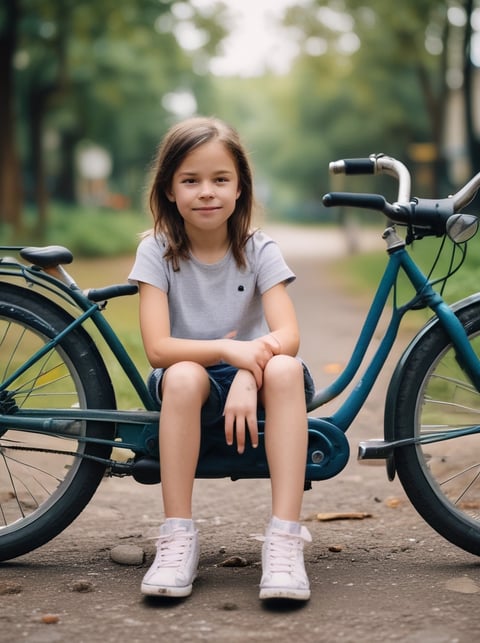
[351, 199]
[109, 292]
[353, 166]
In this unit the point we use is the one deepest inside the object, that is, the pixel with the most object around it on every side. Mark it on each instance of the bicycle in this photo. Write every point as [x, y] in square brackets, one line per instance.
[61, 431]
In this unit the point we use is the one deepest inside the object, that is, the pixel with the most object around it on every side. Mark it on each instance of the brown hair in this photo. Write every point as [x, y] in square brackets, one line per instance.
[179, 141]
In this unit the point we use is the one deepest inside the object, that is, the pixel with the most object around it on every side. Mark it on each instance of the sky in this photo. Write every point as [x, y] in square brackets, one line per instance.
[256, 41]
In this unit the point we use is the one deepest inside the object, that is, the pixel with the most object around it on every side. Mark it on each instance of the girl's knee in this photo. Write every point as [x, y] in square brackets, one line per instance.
[186, 379]
[283, 371]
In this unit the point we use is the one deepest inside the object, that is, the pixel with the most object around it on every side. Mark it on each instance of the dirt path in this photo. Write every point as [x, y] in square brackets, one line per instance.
[388, 577]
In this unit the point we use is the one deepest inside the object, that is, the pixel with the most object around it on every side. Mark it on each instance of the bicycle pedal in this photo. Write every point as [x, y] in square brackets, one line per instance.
[146, 471]
[374, 450]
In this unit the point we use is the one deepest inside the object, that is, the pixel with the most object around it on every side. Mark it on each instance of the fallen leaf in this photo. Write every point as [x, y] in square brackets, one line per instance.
[393, 503]
[333, 368]
[50, 618]
[468, 504]
[338, 515]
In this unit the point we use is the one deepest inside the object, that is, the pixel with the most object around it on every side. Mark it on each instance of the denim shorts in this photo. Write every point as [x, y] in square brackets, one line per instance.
[221, 377]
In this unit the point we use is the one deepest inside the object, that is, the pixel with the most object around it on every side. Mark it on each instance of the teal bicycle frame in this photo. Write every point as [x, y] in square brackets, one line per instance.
[328, 450]
[399, 259]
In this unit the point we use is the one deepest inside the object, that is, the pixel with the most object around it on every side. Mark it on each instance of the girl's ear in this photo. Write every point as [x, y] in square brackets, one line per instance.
[170, 196]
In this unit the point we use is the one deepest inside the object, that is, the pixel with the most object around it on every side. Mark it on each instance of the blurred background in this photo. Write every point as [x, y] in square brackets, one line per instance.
[88, 88]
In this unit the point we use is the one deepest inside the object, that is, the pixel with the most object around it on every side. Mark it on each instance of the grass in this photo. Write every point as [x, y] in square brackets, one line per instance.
[121, 313]
[360, 274]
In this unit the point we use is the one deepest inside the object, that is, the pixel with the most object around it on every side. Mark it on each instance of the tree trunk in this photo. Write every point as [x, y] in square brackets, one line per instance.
[473, 144]
[65, 184]
[10, 180]
[37, 102]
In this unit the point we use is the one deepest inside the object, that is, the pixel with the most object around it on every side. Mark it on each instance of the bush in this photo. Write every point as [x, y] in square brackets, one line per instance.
[89, 232]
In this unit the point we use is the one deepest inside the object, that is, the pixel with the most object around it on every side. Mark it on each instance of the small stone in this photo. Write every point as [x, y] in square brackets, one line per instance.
[335, 548]
[234, 561]
[229, 607]
[463, 585]
[10, 588]
[81, 585]
[127, 555]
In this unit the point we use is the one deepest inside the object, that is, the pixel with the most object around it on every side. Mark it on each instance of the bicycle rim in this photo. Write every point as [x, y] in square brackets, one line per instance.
[442, 479]
[44, 481]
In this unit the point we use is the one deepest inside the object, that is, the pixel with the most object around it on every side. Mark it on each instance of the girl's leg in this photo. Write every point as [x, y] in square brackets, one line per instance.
[286, 439]
[286, 435]
[185, 388]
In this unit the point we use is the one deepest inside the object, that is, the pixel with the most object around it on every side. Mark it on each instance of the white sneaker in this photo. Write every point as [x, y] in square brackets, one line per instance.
[175, 566]
[284, 574]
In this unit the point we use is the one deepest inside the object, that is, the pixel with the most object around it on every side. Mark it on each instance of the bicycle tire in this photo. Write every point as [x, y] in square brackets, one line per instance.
[441, 479]
[42, 492]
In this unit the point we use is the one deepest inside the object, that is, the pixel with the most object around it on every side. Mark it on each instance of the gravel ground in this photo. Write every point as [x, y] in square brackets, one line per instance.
[384, 577]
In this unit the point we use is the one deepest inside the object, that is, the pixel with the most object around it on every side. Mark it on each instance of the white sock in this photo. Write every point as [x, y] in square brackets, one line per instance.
[290, 526]
[181, 523]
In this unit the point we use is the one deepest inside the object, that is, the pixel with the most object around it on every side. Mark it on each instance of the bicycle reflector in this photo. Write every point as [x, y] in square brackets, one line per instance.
[462, 227]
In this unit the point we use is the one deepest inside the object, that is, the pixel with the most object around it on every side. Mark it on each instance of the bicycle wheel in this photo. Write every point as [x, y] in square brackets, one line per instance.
[441, 479]
[44, 481]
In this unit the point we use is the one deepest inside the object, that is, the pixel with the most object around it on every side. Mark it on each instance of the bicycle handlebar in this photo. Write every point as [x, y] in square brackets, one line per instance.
[353, 166]
[368, 201]
[428, 215]
[109, 292]
[377, 164]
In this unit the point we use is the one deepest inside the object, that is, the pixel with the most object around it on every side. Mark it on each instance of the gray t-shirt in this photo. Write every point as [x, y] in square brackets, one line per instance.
[208, 301]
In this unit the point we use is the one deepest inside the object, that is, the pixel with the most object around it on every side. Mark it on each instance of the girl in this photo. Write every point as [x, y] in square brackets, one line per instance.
[220, 332]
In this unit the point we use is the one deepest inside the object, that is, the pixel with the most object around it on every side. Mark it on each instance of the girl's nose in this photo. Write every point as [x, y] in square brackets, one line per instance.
[206, 190]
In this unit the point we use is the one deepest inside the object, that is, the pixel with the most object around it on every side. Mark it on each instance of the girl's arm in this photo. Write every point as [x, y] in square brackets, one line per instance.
[241, 405]
[282, 320]
[162, 350]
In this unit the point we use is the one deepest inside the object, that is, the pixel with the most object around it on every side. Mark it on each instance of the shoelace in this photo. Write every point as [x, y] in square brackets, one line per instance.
[283, 549]
[172, 549]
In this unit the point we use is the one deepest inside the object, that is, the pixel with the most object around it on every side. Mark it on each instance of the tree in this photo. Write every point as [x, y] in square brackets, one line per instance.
[93, 71]
[10, 188]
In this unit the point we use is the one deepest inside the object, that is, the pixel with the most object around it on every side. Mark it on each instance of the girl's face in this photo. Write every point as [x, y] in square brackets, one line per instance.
[205, 187]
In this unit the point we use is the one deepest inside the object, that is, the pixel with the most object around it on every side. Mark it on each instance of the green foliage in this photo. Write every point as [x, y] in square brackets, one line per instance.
[90, 232]
[384, 96]
[364, 81]
[361, 273]
[99, 72]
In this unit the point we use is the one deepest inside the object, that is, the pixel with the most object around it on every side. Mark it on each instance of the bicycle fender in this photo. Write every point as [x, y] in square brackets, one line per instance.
[393, 387]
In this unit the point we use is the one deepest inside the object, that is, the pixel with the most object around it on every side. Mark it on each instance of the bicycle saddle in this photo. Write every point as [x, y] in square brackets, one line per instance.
[47, 256]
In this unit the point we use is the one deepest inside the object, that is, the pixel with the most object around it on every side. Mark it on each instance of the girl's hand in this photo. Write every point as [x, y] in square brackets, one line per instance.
[241, 410]
[251, 355]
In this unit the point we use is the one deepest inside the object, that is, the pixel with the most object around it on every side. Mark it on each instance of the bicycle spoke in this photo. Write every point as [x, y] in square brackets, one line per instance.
[451, 403]
[31, 475]
[31, 478]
